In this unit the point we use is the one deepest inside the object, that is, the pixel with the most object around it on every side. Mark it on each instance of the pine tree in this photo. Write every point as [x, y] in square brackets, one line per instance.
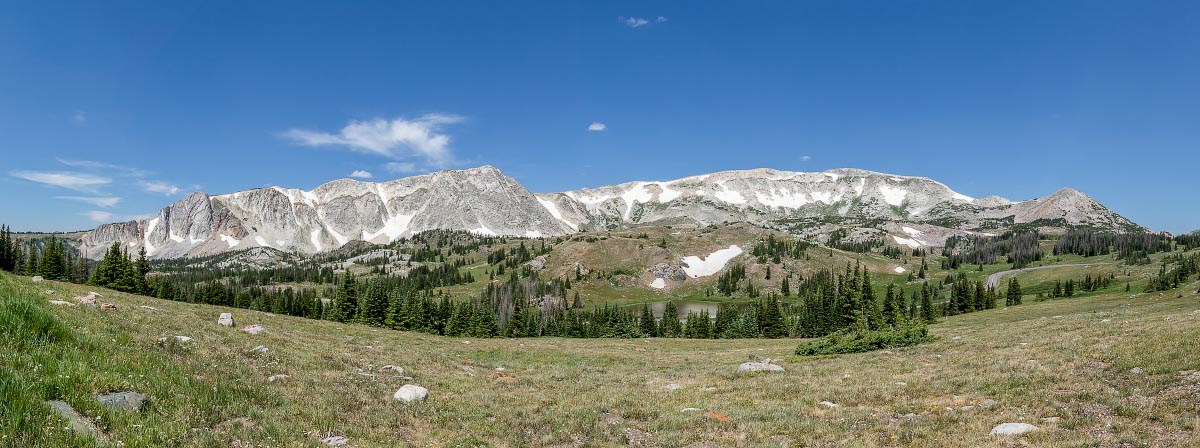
[647, 324]
[372, 308]
[670, 326]
[770, 318]
[927, 304]
[785, 288]
[1013, 296]
[346, 300]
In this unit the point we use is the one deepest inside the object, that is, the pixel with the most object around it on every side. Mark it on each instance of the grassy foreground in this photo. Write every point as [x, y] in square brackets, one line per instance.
[1068, 359]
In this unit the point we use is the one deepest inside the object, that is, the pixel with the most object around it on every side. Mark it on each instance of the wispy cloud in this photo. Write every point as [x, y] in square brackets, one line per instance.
[120, 170]
[98, 201]
[158, 186]
[633, 22]
[395, 139]
[361, 174]
[805, 158]
[660, 19]
[84, 182]
[597, 126]
[79, 117]
[401, 167]
[99, 216]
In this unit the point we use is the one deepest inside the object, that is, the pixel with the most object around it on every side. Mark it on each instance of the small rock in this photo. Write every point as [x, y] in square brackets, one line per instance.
[391, 368]
[1105, 321]
[95, 294]
[274, 378]
[335, 441]
[410, 393]
[756, 358]
[123, 401]
[145, 307]
[37, 279]
[260, 349]
[673, 387]
[1012, 429]
[467, 342]
[226, 320]
[956, 338]
[89, 301]
[1137, 371]
[61, 303]
[254, 329]
[750, 367]
[499, 369]
[966, 408]
[690, 410]
[178, 340]
[886, 352]
[829, 404]
[107, 306]
[1050, 419]
[987, 403]
[76, 422]
[901, 384]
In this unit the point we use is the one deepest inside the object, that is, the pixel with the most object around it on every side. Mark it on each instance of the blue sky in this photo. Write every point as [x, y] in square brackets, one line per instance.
[110, 110]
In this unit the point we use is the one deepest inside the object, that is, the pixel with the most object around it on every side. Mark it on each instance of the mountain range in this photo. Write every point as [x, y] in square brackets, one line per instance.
[485, 201]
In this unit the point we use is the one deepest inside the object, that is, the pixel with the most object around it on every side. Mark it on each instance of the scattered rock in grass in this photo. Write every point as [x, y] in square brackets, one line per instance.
[391, 368]
[967, 408]
[690, 410]
[254, 329]
[123, 401]
[987, 403]
[501, 376]
[673, 387]
[61, 303]
[147, 307]
[164, 341]
[77, 422]
[226, 320]
[1012, 429]
[88, 301]
[274, 378]
[37, 279]
[901, 384]
[1050, 420]
[1136, 371]
[750, 367]
[410, 393]
[49, 291]
[829, 404]
[1105, 321]
[636, 437]
[335, 441]
[107, 306]
[260, 349]
[467, 342]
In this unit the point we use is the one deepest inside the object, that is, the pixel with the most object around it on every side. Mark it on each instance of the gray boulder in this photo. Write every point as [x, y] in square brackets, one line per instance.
[1012, 429]
[410, 393]
[751, 367]
[123, 401]
[226, 320]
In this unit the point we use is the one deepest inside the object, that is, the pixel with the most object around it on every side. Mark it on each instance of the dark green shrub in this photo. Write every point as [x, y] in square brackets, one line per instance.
[851, 341]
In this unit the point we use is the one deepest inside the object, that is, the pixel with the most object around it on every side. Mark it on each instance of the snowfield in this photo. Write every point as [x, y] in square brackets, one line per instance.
[703, 267]
[907, 242]
[658, 283]
[900, 270]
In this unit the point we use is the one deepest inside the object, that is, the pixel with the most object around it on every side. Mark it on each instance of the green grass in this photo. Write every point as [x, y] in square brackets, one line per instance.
[1066, 358]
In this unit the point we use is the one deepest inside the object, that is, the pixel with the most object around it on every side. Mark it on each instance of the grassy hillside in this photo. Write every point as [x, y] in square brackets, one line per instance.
[1068, 359]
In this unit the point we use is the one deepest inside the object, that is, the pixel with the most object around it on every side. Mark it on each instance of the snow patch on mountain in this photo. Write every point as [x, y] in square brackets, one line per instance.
[703, 267]
[907, 241]
[658, 283]
[231, 241]
[893, 195]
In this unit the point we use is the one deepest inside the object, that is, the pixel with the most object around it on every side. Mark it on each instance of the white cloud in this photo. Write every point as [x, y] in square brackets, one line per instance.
[79, 117]
[396, 139]
[805, 158]
[400, 167]
[597, 126]
[660, 19]
[87, 183]
[633, 22]
[99, 216]
[361, 174]
[98, 201]
[158, 186]
[98, 166]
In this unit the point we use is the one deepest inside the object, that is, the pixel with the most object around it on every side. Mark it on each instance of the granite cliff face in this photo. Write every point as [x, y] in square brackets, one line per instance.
[483, 200]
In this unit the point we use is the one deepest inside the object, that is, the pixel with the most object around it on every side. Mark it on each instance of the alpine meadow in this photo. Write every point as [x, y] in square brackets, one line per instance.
[574, 224]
